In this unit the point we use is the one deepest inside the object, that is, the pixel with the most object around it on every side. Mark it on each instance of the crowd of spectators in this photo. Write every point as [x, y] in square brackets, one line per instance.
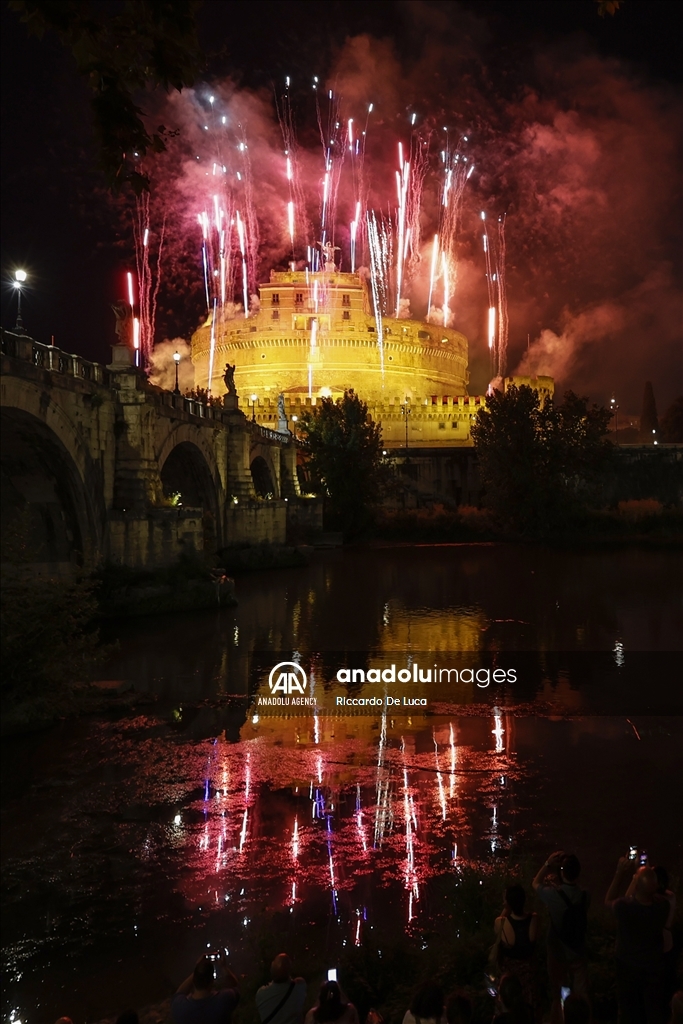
[639, 897]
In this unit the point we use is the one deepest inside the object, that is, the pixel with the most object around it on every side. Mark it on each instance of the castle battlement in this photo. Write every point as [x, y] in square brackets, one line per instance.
[316, 332]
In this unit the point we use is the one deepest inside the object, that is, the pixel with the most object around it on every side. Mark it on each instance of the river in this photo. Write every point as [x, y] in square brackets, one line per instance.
[133, 841]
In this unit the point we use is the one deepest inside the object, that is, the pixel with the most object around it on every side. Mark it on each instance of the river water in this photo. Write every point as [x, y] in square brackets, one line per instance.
[207, 816]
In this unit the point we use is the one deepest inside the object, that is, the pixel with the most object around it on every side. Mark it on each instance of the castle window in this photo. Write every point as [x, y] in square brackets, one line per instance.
[346, 300]
[275, 299]
[442, 426]
[346, 315]
[275, 315]
[299, 298]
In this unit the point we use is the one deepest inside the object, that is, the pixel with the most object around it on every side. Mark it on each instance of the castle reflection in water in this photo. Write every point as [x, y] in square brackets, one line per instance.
[324, 809]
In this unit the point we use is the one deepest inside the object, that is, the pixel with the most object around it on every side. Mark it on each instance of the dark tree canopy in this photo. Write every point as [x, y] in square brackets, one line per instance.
[344, 449]
[538, 460]
[148, 44]
[671, 425]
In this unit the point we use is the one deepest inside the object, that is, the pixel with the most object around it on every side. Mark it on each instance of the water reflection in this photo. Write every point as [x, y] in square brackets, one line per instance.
[430, 599]
[186, 826]
[322, 814]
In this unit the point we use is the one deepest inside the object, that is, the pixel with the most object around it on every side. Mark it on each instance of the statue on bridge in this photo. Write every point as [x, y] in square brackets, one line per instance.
[229, 379]
[124, 322]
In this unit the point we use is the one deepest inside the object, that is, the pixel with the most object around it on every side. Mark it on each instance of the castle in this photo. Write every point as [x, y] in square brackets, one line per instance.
[316, 334]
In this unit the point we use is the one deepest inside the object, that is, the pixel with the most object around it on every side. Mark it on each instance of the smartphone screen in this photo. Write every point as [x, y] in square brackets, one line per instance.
[633, 853]
[332, 974]
[564, 992]
[643, 858]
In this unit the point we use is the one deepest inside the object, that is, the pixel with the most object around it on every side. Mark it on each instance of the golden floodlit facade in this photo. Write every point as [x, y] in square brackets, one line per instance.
[315, 335]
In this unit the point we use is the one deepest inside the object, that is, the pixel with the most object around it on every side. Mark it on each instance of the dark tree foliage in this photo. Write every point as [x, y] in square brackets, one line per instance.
[671, 425]
[146, 45]
[539, 461]
[649, 423]
[344, 460]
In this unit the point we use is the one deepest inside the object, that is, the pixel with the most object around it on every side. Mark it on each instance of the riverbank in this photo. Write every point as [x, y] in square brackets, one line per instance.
[643, 523]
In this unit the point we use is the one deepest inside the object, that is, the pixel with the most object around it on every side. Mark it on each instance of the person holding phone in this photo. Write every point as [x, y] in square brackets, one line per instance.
[641, 915]
[331, 1007]
[201, 999]
[557, 886]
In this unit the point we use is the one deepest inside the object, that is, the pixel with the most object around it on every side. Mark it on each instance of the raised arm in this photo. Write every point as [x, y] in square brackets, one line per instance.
[186, 987]
[551, 862]
[623, 866]
[228, 979]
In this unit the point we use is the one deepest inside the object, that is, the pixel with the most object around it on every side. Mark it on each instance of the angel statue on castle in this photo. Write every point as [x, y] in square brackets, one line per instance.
[328, 250]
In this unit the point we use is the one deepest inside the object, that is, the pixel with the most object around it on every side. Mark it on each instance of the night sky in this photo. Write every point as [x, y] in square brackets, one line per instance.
[587, 78]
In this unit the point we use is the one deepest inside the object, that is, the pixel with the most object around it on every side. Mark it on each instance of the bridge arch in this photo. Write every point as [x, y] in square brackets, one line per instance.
[265, 470]
[50, 514]
[189, 475]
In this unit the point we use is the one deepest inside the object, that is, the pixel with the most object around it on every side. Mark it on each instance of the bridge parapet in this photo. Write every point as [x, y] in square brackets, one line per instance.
[49, 357]
[104, 465]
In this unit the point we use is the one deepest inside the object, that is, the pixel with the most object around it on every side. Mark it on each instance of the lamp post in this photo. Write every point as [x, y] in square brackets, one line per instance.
[19, 279]
[254, 400]
[405, 411]
[615, 411]
[176, 360]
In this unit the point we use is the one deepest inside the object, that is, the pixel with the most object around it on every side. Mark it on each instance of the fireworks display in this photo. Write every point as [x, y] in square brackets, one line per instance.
[324, 213]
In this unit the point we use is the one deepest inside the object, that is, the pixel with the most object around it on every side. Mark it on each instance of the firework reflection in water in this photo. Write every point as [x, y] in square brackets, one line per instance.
[396, 823]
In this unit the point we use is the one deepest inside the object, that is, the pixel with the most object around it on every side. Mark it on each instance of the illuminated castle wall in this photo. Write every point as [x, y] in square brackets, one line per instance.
[319, 329]
[315, 335]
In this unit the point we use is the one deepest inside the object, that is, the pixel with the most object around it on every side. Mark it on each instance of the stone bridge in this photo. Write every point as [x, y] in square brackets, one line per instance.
[100, 465]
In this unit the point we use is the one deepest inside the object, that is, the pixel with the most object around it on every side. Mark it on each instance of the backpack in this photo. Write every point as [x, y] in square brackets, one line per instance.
[572, 931]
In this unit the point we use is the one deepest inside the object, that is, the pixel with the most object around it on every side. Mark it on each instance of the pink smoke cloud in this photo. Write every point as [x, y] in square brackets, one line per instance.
[581, 154]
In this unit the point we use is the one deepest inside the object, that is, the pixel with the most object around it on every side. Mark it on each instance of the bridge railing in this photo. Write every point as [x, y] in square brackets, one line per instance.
[53, 359]
[194, 406]
[268, 434]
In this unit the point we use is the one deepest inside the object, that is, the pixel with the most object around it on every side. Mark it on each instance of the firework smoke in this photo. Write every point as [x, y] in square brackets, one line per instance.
[586, 201]
[162, 365]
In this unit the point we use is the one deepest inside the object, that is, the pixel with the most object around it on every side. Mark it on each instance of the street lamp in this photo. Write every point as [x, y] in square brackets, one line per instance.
[405, 411]
[19, 279]
[254, 400]
[176, 360]
[615, 413]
